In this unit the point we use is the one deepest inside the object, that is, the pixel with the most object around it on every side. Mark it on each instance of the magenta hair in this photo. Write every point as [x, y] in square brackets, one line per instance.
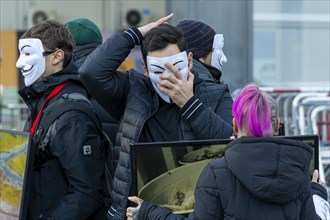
[253, 109]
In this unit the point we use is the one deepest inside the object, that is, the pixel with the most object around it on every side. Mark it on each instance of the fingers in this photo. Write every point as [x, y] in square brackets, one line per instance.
[132, 213]
[232, 137]
[315, 176]
[146, 28]
[167, 80]
[174, 70]
[164, 19]
[129, 214]
[167, 83]
[170, 81]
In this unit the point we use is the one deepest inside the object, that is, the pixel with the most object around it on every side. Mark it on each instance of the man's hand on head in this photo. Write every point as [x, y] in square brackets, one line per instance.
[176, 87]
[146, 28]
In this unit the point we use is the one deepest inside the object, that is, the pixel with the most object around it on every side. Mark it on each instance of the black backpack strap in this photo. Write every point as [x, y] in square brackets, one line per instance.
[68, 102]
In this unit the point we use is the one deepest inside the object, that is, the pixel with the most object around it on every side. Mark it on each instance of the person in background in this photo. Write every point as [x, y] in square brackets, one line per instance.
[88, 37]
[206, 46]
[68, 169]
[166, 103]
[260, 176]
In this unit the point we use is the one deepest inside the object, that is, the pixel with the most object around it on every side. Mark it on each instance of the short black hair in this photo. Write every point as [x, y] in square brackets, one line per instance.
[53, 35]
[160, 37]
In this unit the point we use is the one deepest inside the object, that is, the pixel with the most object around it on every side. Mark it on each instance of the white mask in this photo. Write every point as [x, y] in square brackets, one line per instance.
[218, 56]
[31, 60]
[156, 67]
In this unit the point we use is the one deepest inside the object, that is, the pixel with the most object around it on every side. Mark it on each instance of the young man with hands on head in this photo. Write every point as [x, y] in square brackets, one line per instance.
[166, 103]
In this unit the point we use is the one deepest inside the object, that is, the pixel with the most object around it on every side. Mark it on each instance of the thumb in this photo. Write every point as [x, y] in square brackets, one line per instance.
[315, 176]
[134, 199]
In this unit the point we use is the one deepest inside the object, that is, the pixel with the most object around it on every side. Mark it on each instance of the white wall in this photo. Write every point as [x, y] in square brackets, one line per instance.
[11, 14]
[107, 14]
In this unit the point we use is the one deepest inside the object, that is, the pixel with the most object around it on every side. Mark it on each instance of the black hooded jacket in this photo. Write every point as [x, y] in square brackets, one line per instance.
[109, 124]
[257, 179]
[212, 73]
[73, 187]
[136, 101]
[82, 51]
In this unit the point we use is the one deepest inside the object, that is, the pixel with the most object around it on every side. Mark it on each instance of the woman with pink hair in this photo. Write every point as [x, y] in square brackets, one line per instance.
[259, 177]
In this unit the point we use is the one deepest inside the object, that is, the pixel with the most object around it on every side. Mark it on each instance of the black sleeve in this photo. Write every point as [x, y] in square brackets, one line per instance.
[99, 71]
[318, 189]
[207, 202]
[206, 122]
[150, 211]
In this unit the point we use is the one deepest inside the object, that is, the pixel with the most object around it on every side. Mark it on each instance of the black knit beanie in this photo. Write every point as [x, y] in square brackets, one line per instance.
[199, 37]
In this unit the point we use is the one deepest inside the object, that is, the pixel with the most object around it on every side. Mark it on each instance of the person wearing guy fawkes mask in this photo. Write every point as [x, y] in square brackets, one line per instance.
[166, 103]
[68, 168]
[207, 48]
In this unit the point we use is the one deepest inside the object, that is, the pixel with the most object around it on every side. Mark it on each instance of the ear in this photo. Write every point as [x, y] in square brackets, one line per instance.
[190, 60]
[58, 57]
[235, 127]
[145, 69]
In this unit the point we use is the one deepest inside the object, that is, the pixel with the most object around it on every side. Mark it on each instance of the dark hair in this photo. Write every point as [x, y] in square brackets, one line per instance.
[160, 37]
[53, 35]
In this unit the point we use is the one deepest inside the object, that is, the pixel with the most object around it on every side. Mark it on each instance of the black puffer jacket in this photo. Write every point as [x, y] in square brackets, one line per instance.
[82, 51]
[72, 187]
[136, 101]
[258, 179]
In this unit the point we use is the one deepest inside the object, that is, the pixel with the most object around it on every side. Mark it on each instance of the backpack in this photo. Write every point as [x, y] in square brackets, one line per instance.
[76, 102]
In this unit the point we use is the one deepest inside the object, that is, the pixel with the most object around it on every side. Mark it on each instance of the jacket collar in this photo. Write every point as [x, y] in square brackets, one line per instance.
[38, 89]
[204, 72]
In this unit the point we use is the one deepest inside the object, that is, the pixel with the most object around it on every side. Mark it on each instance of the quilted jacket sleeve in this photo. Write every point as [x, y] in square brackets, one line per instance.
[210, 122]
[100, 76]
[207, 202]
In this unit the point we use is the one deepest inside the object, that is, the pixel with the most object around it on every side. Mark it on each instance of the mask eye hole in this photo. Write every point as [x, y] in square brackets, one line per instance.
[26, 51]
[156, 69]
[158, 72]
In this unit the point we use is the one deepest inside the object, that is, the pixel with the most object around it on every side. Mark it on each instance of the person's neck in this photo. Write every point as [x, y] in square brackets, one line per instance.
[51, 72]
[241, 134]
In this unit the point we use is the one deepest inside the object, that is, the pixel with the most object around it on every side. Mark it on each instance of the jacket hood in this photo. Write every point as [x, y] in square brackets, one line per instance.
[37, 89]
[81, 52]
[205, 72]
[272, 169]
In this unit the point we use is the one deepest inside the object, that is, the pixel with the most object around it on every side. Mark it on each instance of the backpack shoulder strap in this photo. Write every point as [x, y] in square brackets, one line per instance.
[74, 101]
[68, 102]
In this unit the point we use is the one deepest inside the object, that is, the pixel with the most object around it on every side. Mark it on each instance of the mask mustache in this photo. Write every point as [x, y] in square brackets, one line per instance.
[24, 71]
